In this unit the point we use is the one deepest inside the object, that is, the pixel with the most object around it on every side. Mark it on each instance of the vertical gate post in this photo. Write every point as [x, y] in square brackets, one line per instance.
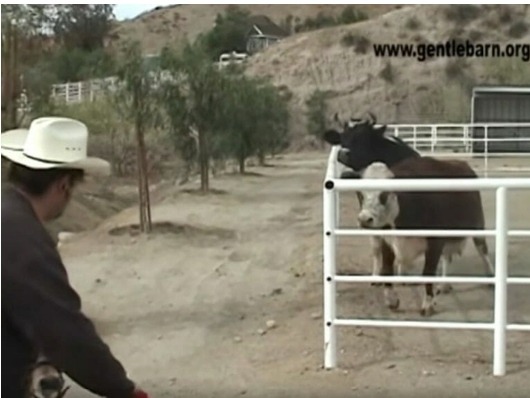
[501, 274]
[330, 332]
[486, 151]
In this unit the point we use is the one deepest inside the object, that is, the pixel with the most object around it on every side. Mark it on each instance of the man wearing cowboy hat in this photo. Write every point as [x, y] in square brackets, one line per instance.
[41, 312]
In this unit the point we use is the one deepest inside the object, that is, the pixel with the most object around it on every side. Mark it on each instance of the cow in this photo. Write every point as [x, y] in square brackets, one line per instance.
[362, 143]
[422, 210]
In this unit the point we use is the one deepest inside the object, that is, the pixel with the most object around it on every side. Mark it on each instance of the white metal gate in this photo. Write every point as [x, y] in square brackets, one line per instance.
[333, 185]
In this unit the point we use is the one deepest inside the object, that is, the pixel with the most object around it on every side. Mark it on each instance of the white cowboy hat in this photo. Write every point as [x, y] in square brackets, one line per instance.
[52, 142]
[13, 140]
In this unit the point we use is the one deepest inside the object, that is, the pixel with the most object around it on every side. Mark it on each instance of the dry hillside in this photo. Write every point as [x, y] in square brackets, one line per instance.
[340, 60]
[172, 24]
[397, 89]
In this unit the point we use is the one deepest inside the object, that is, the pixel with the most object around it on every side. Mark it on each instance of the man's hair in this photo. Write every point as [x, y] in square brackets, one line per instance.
[36, 182]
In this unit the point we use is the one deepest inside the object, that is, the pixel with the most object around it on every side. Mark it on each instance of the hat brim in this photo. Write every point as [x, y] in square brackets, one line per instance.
[90, 165]
[13, 141]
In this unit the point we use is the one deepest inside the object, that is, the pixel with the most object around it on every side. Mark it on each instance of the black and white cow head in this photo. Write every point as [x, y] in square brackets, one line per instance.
[362, 143]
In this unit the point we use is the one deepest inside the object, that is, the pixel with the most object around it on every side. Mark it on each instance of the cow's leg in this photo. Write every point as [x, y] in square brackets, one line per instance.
[445, 288]
[377, 256]
[432, 258]
[482, 248]
[375, 242]
[387, 269]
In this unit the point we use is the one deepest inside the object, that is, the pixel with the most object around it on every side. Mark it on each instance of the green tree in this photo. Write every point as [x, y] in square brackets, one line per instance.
[196, 86]
[83, 26]
[272, 134]
[46, 44]
[22, 42]
[316, 113]
[138, 102]
[81, 30]
[229, 32]
[241, 115]
[352, 14]
[254, 119]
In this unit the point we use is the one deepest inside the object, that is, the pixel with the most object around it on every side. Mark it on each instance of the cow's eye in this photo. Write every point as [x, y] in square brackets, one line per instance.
[383, 197]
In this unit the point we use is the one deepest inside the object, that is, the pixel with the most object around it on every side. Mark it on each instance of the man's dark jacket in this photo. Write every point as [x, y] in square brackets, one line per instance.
[41, 312]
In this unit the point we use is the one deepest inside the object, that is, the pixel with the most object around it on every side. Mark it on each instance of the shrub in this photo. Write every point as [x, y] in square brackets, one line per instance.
[505, 15]
[352, 14]
[475, 35]
[461, 14]
[518, 30]
[387, 73]
[413, 23]
[316, 113]
[454, 69]
[349, 15]
[360, 43]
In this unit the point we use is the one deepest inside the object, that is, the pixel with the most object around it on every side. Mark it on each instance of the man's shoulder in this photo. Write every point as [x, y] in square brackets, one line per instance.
[16, 212]
[23, 234]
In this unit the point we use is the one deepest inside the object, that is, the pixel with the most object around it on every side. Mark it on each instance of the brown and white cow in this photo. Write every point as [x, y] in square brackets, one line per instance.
[422, 210]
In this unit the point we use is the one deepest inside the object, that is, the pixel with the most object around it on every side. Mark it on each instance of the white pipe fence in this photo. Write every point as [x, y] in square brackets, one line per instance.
[456, 140]
[333, 185]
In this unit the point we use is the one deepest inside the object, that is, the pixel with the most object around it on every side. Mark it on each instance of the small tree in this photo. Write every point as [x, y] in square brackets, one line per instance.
[195, 85]
[21, 42]
[229, 32]
[256, 119]
[316, 114]
[83, 26]
[137, 100]
[272, 131]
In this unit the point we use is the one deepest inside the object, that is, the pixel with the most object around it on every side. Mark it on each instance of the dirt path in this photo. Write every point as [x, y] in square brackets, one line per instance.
[186, 308]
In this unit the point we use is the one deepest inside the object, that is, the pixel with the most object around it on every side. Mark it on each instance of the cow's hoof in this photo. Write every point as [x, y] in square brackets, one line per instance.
[427, 307]
[444, 289]
[391, 300]
[428, 311]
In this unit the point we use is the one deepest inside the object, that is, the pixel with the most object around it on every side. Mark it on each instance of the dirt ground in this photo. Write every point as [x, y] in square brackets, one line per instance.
[186, 308]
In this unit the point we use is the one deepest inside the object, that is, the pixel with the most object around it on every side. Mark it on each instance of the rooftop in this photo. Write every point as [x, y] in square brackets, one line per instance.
[266, 26]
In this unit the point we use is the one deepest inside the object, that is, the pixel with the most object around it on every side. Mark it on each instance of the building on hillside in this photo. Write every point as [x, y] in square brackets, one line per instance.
[262, 33]
[501, 104]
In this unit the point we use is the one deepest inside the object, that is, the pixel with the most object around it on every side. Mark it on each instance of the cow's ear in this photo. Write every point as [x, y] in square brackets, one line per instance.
[380, 130]
[332, 137]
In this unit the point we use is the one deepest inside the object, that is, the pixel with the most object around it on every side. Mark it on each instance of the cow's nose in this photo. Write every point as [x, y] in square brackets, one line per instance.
[365, 220]
[50, 383]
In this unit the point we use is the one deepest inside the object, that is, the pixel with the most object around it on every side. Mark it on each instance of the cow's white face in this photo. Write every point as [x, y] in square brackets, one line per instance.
[379, 208]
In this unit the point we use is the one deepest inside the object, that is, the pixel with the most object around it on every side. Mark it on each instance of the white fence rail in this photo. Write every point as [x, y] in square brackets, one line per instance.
[333, 186]
[456, 140]
[77, 92]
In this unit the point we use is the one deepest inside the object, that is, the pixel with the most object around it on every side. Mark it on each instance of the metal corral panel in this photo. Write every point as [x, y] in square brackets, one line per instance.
[501, 105]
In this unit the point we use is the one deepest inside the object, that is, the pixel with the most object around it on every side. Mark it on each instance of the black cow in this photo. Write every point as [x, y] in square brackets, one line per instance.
[362, 143]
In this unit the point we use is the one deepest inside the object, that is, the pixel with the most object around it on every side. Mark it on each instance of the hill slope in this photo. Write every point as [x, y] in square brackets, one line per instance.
[398, 89]
[172, 24]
